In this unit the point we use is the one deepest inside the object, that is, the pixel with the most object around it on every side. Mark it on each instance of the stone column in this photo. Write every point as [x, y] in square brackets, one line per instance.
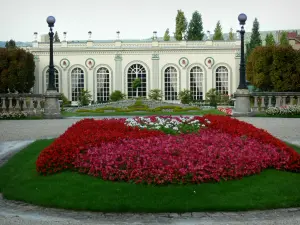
[118, 74]
[155, 72]
[52, 107]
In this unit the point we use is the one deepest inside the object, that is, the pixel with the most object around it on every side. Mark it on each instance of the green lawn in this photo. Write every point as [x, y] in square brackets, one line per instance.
[20, 181]
[276, 116]
[201, 112]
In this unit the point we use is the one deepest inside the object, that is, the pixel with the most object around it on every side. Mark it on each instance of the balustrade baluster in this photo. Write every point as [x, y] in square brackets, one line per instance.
[263, 105]
[17, 107]
[278, 100]
[255, 107]
[284, 100]
[291, 100]
[38, 106]
[298, 100]
[3, 106]
[270, 101]
[10, 106]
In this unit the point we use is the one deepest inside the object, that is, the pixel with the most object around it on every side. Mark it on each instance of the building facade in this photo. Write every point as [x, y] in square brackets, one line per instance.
[102, 67]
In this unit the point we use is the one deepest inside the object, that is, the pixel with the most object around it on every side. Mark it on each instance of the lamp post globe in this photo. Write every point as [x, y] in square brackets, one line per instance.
[242, 18]
[51, 20]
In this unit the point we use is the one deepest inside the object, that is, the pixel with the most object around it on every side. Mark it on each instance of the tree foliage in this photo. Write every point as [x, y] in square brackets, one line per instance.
[218, 34]
[181, 25]
[255, 40]
[283, 39]
[56, 37]
[155, 94]
[274, 68]
[117, 96]
[231, 35]
[270, 41]
[195, 30]
[85, 98]
[167, 35]
[10, 44]
[16, 70]
[185, 96]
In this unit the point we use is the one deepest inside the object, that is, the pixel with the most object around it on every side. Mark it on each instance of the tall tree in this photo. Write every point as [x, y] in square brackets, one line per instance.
[16, 70]
[283, 39]
[218, 34]
[56, 37]
[181, 25]
[195, 30]
[167, 35]
[231, 35]
[270, 41]
[10, 44]
[255, 38]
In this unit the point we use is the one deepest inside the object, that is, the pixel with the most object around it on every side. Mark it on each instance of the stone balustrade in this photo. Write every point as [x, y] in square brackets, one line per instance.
[263, 100]
[32, 104]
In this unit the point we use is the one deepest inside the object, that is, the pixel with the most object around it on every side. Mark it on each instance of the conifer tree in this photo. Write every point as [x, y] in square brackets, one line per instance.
[283, 39]
[56, 38]
[167, 35]
[181, 25]
[231, 35]
[270, 41]
[255, 38]
[218, 34]
[195, 30]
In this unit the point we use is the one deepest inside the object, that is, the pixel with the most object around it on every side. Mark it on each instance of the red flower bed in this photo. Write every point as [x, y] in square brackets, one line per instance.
[213, 156]
[85, 134]
[242, 129]
[227, 149]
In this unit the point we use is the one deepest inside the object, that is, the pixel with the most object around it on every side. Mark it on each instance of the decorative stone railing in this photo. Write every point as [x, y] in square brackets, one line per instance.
[263, 100]
[144, 44]
[32, 104]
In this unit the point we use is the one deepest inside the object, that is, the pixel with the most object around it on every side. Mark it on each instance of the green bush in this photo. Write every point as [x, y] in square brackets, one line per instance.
[213, 97]
[84, 98]
[185, 96]
[99, 110]
[155, 94]
[117, 96]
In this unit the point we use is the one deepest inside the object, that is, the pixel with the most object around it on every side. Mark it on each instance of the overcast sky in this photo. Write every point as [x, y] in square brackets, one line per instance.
[137, 19]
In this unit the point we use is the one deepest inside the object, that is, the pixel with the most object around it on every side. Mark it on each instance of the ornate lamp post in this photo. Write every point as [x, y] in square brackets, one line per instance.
[52, 108]
[51, 85]
[242, 18]
[242, 95]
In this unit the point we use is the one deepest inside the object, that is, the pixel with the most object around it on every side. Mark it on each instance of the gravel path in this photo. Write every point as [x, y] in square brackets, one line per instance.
[14, 135]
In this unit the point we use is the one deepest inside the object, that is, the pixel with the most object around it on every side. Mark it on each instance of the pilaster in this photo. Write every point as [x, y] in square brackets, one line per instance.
[155, 71]
[118, 81]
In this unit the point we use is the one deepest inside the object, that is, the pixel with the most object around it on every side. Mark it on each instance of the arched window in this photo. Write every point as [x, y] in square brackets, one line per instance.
[196, 83]
[136, 71]
[171, 83]
[77, 83]
[102, 84]
[56, 79]
[222, 80]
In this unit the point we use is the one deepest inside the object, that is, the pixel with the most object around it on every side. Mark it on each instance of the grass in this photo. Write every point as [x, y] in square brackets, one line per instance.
[20, 181]
[201, 112]
[276, 116]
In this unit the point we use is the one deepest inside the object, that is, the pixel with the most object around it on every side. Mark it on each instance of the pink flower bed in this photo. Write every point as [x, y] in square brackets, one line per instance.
[173, 159]
[228, 111]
